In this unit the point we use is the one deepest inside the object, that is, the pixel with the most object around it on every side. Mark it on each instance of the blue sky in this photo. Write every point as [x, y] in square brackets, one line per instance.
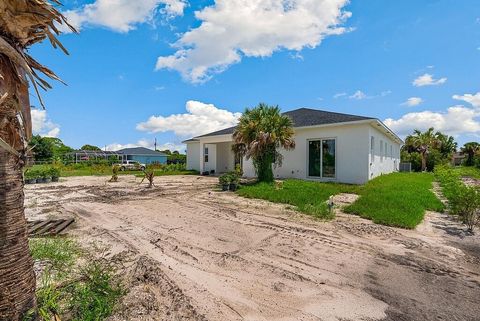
[411, 63]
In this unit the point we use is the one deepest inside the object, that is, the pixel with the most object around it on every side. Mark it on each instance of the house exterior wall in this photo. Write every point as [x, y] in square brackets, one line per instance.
[193, 156]
[382, 159]
[225, 157]
[351, 154]
[353, 161]
[146, 159]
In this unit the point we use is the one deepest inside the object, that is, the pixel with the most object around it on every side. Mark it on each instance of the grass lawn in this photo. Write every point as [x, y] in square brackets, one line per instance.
[308, 197]
[398, 199]
[96, 170]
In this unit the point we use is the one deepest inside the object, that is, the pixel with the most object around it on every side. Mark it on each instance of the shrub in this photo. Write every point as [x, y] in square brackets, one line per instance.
[463, 200]
[54, 172]
[224, 179]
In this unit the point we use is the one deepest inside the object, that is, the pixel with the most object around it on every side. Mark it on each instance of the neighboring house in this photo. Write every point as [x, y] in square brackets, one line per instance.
[140, 154]
[458, 158]
[329, 147]
[143, 155]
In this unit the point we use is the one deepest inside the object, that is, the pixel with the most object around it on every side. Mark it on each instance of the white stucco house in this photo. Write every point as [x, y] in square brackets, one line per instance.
[329, 147]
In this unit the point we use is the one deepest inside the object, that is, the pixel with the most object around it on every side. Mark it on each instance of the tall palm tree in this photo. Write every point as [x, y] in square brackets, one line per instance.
[22, 24]
[447, 145]
[423, 143]
[470, 149]
[261, 131]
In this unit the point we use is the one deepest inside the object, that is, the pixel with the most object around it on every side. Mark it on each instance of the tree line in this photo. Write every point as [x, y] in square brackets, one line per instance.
[46, 149]
[425, 150]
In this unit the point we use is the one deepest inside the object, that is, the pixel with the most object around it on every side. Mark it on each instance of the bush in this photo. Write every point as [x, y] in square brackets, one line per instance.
[463, 200]
[224, 179]
[54, 172]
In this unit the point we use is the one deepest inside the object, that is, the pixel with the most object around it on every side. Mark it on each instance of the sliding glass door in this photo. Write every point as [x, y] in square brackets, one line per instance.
[321, 158]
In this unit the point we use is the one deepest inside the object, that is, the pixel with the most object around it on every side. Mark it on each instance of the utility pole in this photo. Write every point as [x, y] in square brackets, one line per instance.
[155, 144]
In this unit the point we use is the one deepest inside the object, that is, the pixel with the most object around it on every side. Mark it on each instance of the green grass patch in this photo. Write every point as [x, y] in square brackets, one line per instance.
[74, 286]
[307, 197]
[58, 252]
[467, 171]
[398, 199]
[105, 170]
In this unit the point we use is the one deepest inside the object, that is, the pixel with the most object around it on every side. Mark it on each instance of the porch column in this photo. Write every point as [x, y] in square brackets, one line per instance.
[202, 163]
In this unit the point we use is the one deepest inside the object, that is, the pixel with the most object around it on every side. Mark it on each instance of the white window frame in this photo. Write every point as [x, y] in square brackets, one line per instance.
[321, 159]
[372, 148]
[205, 154]
[381, 150]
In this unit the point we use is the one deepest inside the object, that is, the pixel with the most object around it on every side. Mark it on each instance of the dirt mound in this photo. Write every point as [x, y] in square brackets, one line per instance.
[153, 296]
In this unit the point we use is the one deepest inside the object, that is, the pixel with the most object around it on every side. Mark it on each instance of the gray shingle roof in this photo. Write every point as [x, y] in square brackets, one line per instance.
[140, 151]
[304, 117]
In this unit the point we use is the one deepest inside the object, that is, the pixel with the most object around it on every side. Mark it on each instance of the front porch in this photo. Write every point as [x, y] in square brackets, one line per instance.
[217, 157]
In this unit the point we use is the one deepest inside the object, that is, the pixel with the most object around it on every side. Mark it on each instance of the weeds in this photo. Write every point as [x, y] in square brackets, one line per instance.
[308, 197]
[70, 290]
[397, 199]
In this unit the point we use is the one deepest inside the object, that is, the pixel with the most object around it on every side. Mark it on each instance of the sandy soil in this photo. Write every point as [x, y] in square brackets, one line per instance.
[193, 253]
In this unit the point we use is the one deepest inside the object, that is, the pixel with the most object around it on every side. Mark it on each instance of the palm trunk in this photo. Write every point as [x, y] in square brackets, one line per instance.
[17, 279]
[424, 162]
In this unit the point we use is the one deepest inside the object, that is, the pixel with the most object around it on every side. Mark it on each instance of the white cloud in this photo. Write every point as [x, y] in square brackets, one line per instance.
[413, 101]
[358, 95]
[43, 126]
[428, 80]
[338, 95]
[147, 144]
[474, 99]
[231, 29]
[456, 120]
[122, 15]
[201, 119]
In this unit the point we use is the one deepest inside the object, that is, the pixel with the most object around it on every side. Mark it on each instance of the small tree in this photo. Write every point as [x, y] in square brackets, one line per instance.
[261, 131]
[149, 175]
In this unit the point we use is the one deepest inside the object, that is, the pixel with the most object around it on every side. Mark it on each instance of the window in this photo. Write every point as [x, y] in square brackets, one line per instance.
[205, 153]
[391, 151]
[321, 158]
[381, 150]
[372, 147]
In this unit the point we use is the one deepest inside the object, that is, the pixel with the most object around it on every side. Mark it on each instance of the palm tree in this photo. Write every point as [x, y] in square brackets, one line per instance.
[470, 149]
[261, 131]
[22, 24]
[447, 145]
[422, 143]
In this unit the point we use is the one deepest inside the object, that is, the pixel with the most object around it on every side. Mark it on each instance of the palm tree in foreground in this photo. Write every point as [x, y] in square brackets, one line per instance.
[261, 131]
[22, 24]
[423, 142]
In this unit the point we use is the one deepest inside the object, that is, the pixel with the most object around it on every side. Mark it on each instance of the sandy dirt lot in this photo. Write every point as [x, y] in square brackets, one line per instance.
[191, 252]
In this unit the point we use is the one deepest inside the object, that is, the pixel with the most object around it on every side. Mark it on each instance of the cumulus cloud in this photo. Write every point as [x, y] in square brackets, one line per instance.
[456, 120]
[147, 144]
[43, 126]
[473, 99]
[231, 29]
[413, 101]
[428, 80]
[122, 15]
[200, 119]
